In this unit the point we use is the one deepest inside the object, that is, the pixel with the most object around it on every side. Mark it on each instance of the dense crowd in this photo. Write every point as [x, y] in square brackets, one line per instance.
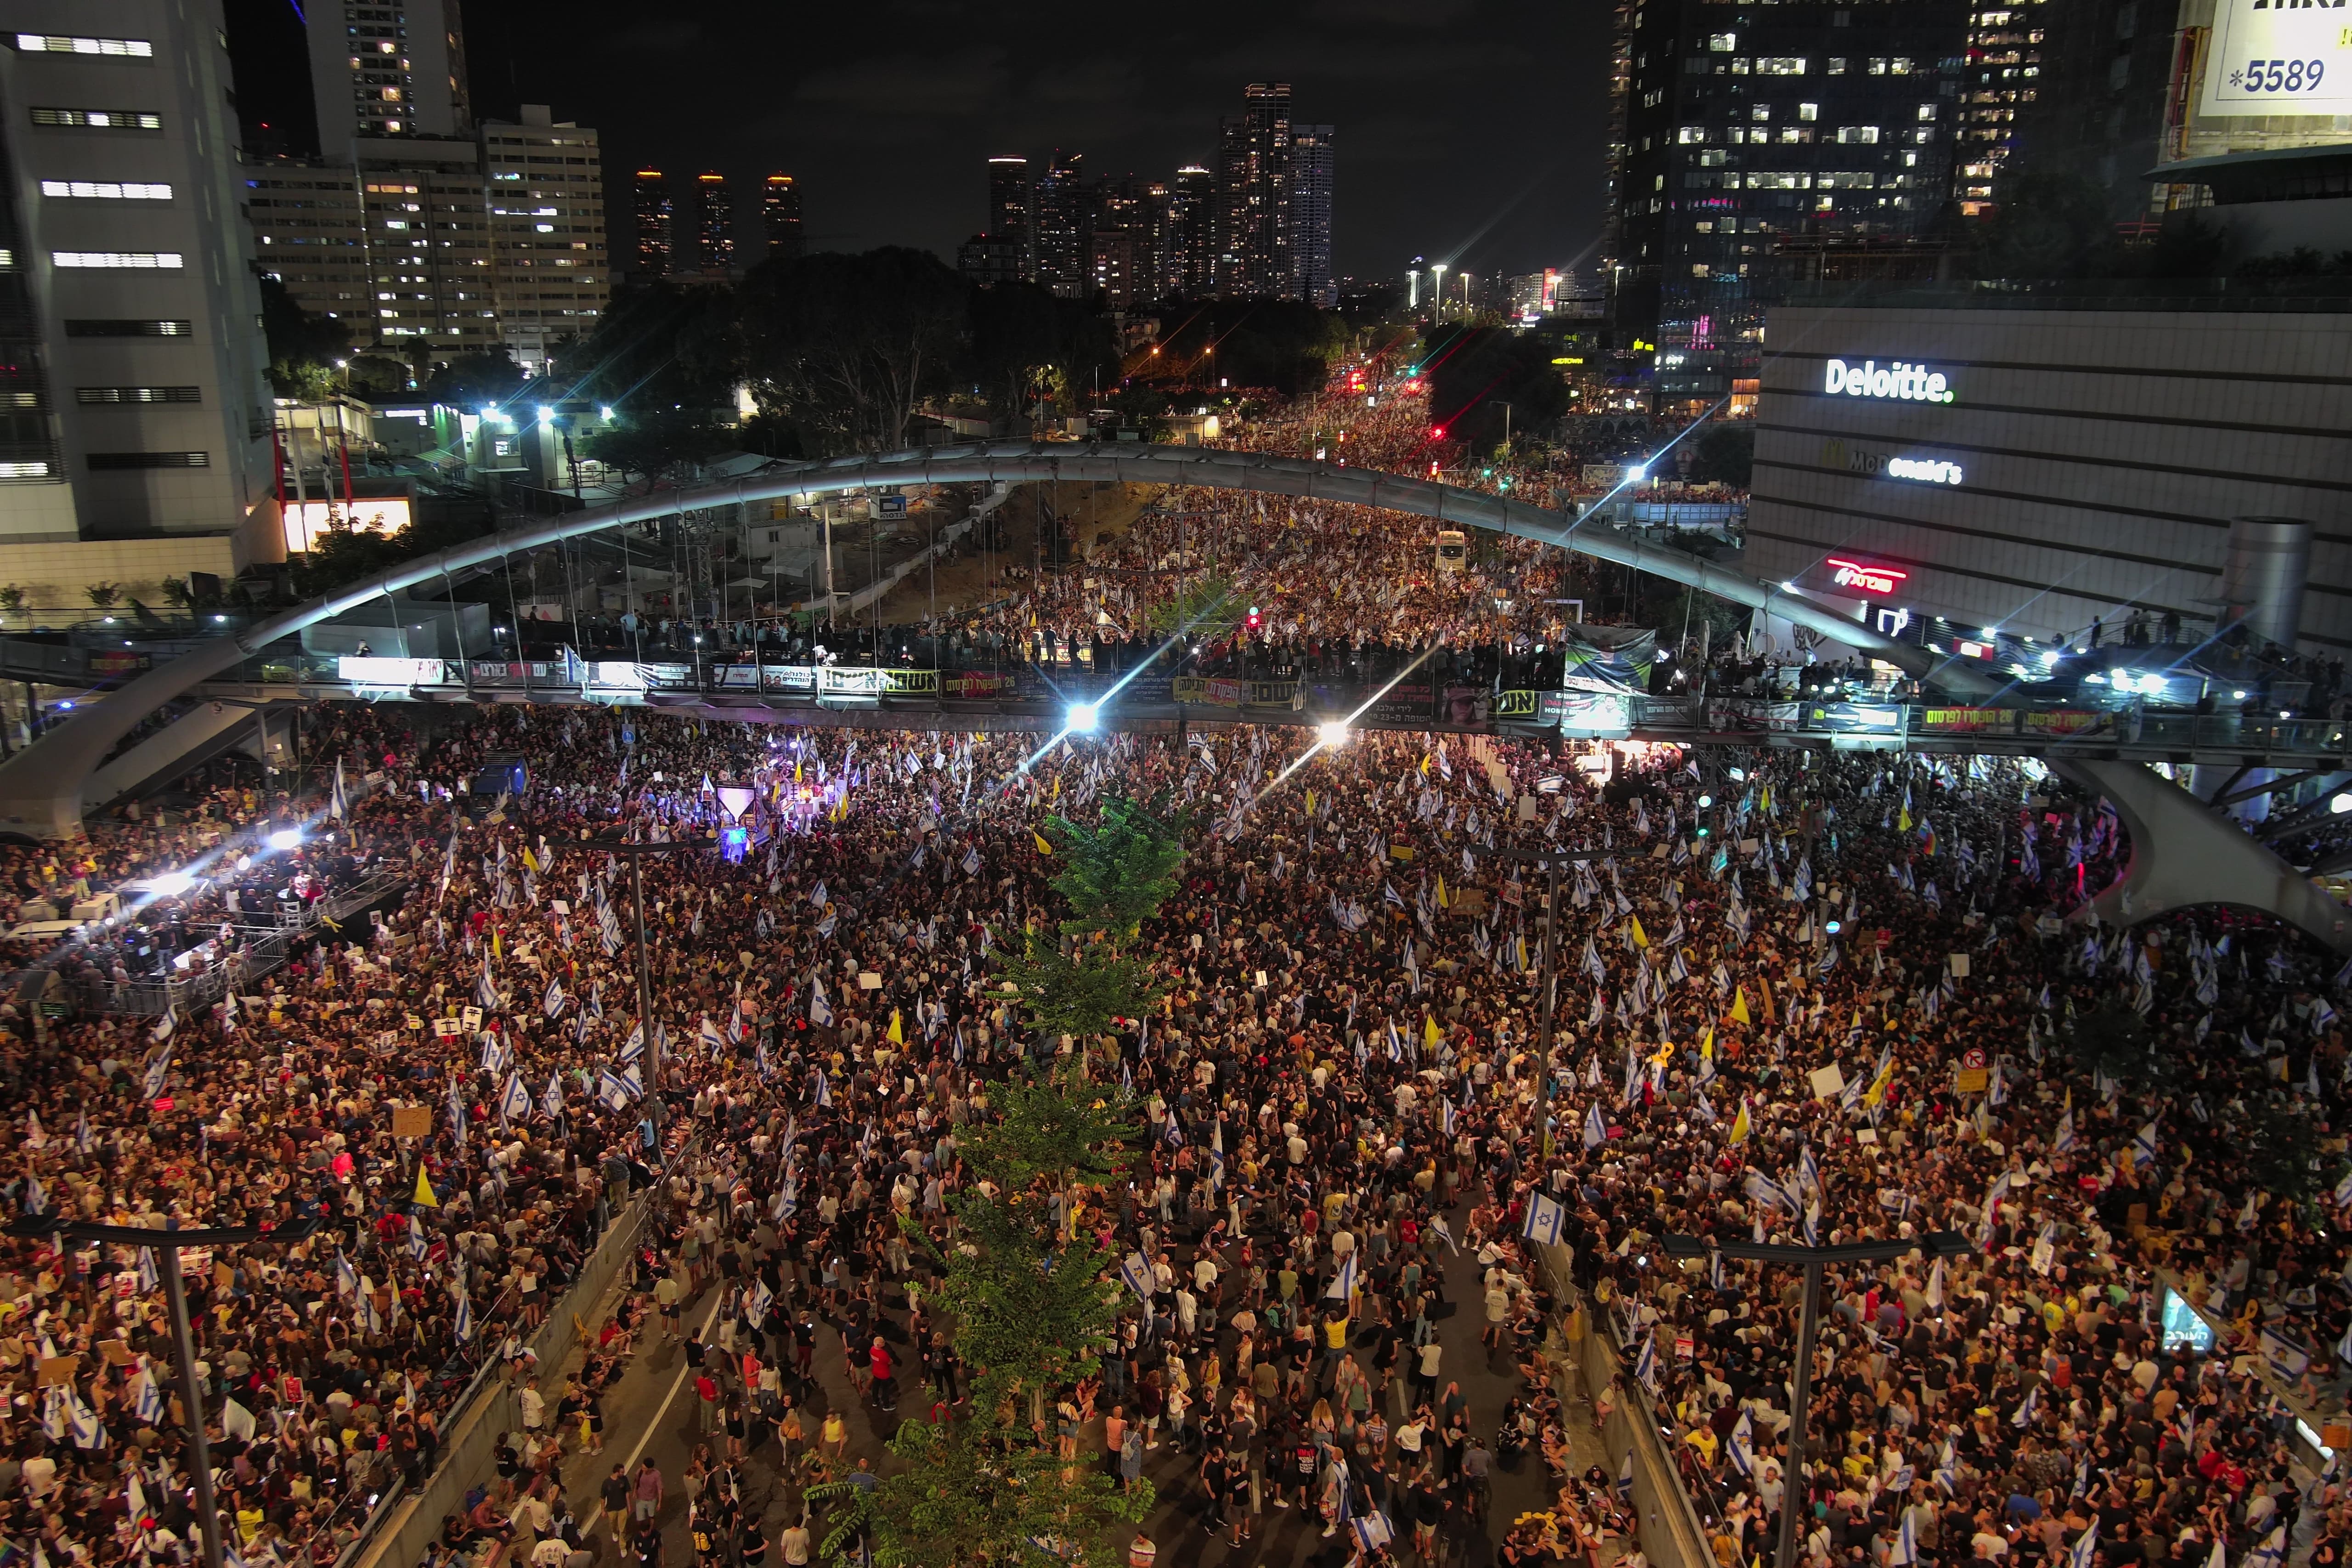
[1341, 1090]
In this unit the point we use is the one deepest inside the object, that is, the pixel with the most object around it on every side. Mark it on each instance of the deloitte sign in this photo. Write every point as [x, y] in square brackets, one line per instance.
[1907, 383]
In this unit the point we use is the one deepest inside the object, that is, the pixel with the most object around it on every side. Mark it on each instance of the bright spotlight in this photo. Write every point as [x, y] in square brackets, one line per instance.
[1705, 801]
[285, 839]
[1332, 734]
[546, 414]
[2340, 805]
[172, 884]
[1084, 718]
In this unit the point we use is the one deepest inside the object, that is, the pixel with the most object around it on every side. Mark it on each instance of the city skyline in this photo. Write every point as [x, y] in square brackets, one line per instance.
[1460, 140]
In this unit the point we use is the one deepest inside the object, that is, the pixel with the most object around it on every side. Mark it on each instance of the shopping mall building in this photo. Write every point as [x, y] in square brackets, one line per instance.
[2028, 464]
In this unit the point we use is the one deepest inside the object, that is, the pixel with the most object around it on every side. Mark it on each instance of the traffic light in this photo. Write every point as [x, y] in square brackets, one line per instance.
[1254, 621]
[1437, 432]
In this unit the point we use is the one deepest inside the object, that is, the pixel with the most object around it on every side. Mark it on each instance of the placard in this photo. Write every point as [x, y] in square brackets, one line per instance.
[867, 980]
[1970, 1081]
[471, 1017]
[1827, 1081]
[1959, 965]
[411, 1122]
[448, 1028]
[57, 1370]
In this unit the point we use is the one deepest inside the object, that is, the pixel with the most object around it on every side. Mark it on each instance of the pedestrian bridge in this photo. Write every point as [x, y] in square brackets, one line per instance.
[2205, 858]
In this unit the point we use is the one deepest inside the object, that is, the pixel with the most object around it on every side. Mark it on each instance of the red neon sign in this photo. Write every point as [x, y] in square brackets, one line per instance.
[1869, 579]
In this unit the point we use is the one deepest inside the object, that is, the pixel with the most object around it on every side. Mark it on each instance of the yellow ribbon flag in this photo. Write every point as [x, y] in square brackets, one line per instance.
[1042, 847]
[497, 945]
[1665, 1053]
[1903, 820]
[1441, 892]
[898, 1035]
[424, 1196]
[1707, 1045]
[1425, 764]
[530, 859]
[1310, 802]
[1431, 1034]
[1876, 1092]
[1738, 1014]
[1741, 1126]
[1641, 937]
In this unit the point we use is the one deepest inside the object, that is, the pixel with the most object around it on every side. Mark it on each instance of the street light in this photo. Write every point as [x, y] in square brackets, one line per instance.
[1548, 861]
[636, 851]
[1813, 1260]
[167, 1245]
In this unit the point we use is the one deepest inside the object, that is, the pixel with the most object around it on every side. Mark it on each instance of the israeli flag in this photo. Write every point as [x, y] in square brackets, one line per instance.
[36, 1200]
[1137, 1276]
[612, 1090]
[756, 1309]
[1545, 1217]
[347, 1279]
[417, 1245]
[150, 1406]
[2083, 1549]
[635, 1045]
[1645, 1367]
[463, 1327]
[550, 1099]
[820, 1011]
[1743, 1446]
[159, 1069]
[2144, 1145]
[1343, 1284]
[1596, 1127]
[823, 1089]
[710, 1037]
[552, 1003]
[1907, 1546]
[517, 1100]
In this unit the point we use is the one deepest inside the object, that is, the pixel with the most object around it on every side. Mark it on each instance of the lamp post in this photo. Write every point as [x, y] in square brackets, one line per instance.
[167, 1245]
[1815, 1261]
[636, 851]
[1548, 862]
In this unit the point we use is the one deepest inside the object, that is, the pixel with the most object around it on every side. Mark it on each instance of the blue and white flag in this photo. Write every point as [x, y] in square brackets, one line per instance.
[515, 1101]
[1545, 1218]
[820, 1011]
[1596, 1127]
[463, 1329]
[2085, 1547]
[552, 1003]
[1139, 1277]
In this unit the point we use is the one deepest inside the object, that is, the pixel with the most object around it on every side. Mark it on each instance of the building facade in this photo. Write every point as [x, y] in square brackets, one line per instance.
[387, 67]
[2025, 471]
[137, 434]
[543, 193]
[1252, 188]
[1751, 127]
[2000, 84]
[780, 217]
[1059, 209]
[1306, 217]
[1009, 215]
[1189, 258]
[654, 213]
[714, 225]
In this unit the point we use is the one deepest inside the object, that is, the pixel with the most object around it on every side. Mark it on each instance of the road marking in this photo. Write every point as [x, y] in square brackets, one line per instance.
[629, 1465]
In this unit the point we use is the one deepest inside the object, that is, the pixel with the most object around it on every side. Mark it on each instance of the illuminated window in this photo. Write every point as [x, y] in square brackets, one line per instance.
[60, 44]
[118, 261]
[99, 119]
[105, 191]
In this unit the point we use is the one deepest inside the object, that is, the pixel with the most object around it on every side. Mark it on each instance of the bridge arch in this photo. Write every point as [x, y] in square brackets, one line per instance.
[41, 786]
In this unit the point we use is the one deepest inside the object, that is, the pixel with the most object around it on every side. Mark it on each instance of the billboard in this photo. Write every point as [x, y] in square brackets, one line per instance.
[2278, 57]
[307, 521]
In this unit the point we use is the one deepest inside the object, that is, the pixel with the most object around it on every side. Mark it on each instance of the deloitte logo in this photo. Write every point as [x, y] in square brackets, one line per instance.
[1910, 383]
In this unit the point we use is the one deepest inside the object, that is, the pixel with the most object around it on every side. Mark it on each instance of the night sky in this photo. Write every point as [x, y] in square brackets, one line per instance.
[1469, 130]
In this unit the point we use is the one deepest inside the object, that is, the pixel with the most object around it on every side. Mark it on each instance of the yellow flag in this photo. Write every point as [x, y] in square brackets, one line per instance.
[1903, 820]
[1665, 1053]
[1738, 1014]
[497, 945]
[796, 770]
[1431, 1034]
[1310, 802]
[1707, 1045]
[1441, 891]
[1425, 764]
[1042, 847]
[424, 1194]
[1878, 1085]
[530, 859]
[1741, 1126]
[1641, 937]
[898, 1035]
[1057, 788]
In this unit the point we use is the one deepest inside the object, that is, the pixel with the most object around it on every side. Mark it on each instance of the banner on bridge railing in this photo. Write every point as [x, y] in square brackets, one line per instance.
[1855, 717]
[1748, 713]
[392, 673]
[1587, 712]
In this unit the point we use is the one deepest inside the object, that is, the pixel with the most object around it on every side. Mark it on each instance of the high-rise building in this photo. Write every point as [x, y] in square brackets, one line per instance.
[1306, 217]
[1754, 139]
[2000, 77]
[387, 67]
[985, 259]
[1058, 240]
[543, 187]
[134, 448]
[714, 225]
[655, 214]
[1189, 252]
[1252, 176]
[780, 217]
[1009, 219]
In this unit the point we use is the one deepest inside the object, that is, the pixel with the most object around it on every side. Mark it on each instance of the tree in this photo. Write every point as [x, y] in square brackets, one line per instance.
[475, 379]
[1206, 611]
[103, 596]
[1117, 871]
[1726, 455]
[303, 347]
[846, 348]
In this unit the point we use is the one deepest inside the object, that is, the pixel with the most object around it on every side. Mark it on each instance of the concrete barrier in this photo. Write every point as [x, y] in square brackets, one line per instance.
[407, 1523]
[1671, 1533]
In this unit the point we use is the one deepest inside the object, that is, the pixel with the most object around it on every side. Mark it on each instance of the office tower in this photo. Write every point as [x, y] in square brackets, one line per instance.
[1999, 77]
[135, 445]
[1058, 242]
[1189, 257]
[544, 185]
[1126, 223]
[1116, 268]
[1253, 177]
[1621, 78]
[1009, 219]
[714, 225]
[654, 216]
[1804, 139]
[780, 217]
[387, 67]
[1306, 217]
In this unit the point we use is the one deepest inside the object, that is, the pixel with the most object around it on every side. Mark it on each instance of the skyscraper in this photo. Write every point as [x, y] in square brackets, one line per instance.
[1306, 217]
[387, 67]
[780, 217]
[1189, 249]
[714, 225]
[1252, 178]
[135, 447]
[1009, 220]
[651, 252]
[1059, 238]
[2000, 79]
